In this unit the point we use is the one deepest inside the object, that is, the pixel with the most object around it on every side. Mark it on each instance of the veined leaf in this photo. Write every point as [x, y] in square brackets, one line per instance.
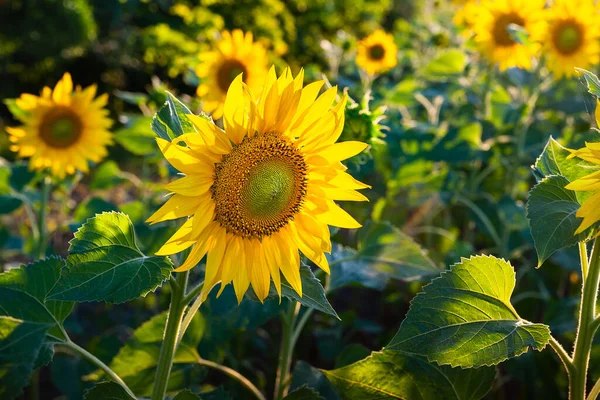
[24, 295]
[447, 65]
[592, 81]
[551, 212]
[107, 391]
[136, 138]
[395, 375]
[464, 318]
[105, 264]
[20, 343]
[170, 121]
[136, 361]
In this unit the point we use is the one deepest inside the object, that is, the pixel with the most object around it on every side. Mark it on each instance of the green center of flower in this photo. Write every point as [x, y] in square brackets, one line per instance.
[502, 36]
[259, 186]
[376, 52]
[228, 71]
[60, 127]
[567, 37]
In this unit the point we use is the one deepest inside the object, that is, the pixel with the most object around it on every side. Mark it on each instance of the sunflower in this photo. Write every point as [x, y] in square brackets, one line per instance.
[466, 15]
[234, 54]
[491, 28]
[62, 129]
[572, 36]
[377, 53]
[263, 189]
[590, 210]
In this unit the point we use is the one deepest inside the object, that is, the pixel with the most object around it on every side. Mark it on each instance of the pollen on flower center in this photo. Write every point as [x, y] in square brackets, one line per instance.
[259, 186]
[567, 37]
[501, 35]
[228, 71]
[60, 127]
[376, 52]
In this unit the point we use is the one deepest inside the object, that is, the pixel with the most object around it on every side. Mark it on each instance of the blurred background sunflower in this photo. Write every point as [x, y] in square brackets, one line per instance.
[236, 53]
[62, 129]
[572, 36]
[492, 28]
[377, 53]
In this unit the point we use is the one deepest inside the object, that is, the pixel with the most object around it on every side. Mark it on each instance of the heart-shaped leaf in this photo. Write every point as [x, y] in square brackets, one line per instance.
[170, 121]
[105, 264]
[464, 318]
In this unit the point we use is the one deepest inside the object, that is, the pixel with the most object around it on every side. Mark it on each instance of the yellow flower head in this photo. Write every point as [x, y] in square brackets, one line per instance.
[377, 53]
[590, 210]
[62, 129]
[234, 54]
[263, 188]
[572, 36]
[492, 35]
[466, 15]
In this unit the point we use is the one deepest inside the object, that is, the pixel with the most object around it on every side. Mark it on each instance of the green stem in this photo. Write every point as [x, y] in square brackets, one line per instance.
[586, 328]
[191, 310]
[285, 353]
[583, 256]
[169, 344]
[43, 211]
[235, 375]
[562, 354]
[595, 391]
[97, 362]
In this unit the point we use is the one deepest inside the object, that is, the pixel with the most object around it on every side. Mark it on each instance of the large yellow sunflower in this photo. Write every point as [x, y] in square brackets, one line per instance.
[234, 54]
[572, 36]
[590, 210]
[62, 129]
[377, 53]
[262, 189]
[492, 35]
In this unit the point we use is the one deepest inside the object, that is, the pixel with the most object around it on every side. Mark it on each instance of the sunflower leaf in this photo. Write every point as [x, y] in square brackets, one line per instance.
[393, 374]
[24, 295]
[170, 121]
[592, 80]
[135, 136]
[304, 393]
[107, 391]
[20, 344]
[551, 211]
[105, 264]
[187, 395]
[464, 318]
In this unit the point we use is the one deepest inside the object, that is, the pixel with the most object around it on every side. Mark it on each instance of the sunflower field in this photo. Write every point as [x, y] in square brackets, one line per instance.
[299, 199]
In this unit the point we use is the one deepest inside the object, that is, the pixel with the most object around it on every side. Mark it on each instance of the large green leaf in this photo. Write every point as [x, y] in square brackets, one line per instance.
[24, 294]
[136, 361]
[107, 391]
[170, 121]
[395, 375]
[105, 264]
[304, 393]
[465, 318]
[551, 212]
[20, 344]
[555, 160]
[592, 81]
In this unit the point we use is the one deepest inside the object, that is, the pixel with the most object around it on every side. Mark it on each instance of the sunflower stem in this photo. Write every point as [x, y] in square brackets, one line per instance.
[285, 354]
[235, 375]
[43, 212]
[587, 327]
[169, 344]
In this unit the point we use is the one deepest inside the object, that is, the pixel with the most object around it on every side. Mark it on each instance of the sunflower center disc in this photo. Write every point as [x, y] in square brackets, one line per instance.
[60, 127]
[376, 52]
[567, 37]
[228, 71]
[501, 34]
[259, 186]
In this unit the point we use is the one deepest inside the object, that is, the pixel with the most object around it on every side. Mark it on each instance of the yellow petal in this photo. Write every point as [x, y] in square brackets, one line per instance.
[590, 212]
[177, 206]
[191, 185]
[336, 216]
[342, 150]
[258, 269]
[235, 117]
[290, 259]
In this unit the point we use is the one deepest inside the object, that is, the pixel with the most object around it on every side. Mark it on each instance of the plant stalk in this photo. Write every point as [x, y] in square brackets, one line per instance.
[235, 375]
[43, 212]
[286, 350]
[169, 344]
[586, 327]
[97, 362]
